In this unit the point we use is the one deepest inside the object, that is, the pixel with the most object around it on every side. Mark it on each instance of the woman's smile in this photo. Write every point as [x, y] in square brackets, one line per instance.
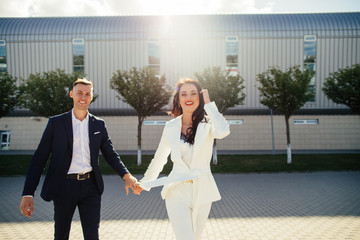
[189, 103]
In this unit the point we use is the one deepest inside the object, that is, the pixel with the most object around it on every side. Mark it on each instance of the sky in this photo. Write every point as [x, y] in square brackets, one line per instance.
[52, 8]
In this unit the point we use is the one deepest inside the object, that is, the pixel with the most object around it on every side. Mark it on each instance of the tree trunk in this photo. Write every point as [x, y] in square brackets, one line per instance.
[272, 132]
[215, 160]
[139, 156]
[288, 139]
[140, 121]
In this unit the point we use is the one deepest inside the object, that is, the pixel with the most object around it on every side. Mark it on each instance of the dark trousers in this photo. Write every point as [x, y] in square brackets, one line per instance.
[85, 196]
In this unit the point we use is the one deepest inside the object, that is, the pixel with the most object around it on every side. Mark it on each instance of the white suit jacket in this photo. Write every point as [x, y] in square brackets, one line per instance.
[199, 171]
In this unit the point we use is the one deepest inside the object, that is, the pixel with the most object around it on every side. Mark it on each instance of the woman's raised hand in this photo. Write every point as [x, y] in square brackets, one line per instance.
[205, 95]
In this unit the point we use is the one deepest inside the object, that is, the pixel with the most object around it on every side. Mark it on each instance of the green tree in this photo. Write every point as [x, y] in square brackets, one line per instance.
[9, 93]
[343, 87]
[144, 91]
[47, 94]
[225, 90]
[285, 92]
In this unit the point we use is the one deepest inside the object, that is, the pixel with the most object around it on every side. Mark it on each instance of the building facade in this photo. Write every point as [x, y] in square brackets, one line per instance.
[180, 46]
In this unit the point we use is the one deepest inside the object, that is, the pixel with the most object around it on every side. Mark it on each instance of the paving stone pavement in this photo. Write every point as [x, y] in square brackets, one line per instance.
[319, 205]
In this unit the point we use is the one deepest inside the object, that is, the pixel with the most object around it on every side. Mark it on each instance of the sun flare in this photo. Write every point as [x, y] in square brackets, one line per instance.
[179, 7]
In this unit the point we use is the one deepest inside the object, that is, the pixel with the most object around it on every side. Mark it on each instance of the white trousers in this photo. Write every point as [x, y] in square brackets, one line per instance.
[179, 205]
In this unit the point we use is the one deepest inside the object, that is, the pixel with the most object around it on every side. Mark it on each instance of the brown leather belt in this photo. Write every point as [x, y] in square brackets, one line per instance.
[79, 177]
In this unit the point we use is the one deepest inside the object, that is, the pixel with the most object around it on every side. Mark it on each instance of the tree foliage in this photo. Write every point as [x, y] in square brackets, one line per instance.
[47, 94]
[343, 87]
[285, 91]
[225, 89]
[144, 91]
[8, 93]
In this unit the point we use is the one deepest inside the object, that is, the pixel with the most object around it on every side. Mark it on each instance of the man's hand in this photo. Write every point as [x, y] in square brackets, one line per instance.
[131, 182]
[27, 206]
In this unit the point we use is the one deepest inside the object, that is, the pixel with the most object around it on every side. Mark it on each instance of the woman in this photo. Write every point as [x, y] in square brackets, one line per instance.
[190, 188]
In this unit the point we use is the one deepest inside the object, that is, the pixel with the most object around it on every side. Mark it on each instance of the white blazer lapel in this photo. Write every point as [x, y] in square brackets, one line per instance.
[174, 138]
[202, 132]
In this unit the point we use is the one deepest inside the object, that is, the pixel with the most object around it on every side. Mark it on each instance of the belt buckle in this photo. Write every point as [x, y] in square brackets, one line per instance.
[79, 178]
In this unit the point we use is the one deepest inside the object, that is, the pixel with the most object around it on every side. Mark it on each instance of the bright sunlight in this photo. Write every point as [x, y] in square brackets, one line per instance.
[179, 7]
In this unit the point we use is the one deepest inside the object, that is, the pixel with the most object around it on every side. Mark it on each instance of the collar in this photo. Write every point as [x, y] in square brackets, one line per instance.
[75, 119]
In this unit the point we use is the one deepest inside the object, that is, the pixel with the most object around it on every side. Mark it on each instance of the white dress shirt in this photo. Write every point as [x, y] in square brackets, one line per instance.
[80, 162]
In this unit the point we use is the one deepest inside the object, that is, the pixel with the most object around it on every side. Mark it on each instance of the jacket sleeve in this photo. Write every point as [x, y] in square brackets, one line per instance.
[219, 125]
[110, 155]
[159, 160]
[39, 160]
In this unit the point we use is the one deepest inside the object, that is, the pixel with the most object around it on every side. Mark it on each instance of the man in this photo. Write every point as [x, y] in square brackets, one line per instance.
[73, 140]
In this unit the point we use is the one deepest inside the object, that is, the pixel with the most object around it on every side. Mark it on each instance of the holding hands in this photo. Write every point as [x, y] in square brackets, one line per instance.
[132, 182]
[27, 202]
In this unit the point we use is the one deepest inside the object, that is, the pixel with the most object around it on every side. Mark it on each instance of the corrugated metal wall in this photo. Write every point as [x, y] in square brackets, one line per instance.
[188, 44]
[24, 58]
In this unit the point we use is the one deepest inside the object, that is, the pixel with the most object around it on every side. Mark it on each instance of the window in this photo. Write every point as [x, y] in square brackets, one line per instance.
[78, 49]
[5, 140]
[310, 60]
[232, 49]
[3, 65]
[154, 55]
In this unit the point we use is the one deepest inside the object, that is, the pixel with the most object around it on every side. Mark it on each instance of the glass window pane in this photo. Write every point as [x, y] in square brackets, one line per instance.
[310, 38]
[79, 60]
[2, 51]
[79, 69]
[232, 50]
[310, 66]
[4, 138]
[78, 50]
[309, 49]
[154, 53]
[312, 82]
[310, 61]
[3, 65]
[232, 38]
[231, 59]
[78, 41]
[233, 69]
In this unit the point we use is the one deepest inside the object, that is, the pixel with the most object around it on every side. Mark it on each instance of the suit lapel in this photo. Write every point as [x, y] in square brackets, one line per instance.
[174, 137]
[91, 133]
[69, 129]
[202, 132]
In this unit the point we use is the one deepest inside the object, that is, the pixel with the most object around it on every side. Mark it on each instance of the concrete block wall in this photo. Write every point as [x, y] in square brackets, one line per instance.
[335, 132]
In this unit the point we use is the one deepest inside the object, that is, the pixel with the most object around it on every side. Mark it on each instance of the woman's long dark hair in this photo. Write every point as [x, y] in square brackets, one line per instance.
[198, 114]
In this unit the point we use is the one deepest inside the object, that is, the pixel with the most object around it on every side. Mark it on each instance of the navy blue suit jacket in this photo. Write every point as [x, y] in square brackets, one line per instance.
[57, 143]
